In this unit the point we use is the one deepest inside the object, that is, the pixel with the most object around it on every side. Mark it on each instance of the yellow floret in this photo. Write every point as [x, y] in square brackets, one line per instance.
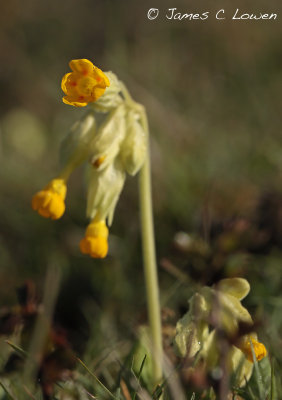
[95, 241]
[259, 349]
[49, 202]
[85, 84]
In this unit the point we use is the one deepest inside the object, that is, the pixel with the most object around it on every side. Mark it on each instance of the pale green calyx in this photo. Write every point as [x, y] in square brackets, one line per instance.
[237, 287]
[108, 138]
[75, 148]
[111, 98]
[133, 148]
[104, 188]
[192, 329]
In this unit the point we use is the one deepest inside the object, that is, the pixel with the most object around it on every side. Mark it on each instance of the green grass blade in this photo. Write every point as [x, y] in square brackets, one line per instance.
[272, 386]
[97, 380]
[10, 397]
[139, 374]
[18, 349]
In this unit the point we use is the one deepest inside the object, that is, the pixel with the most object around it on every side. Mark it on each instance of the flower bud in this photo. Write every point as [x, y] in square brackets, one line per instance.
[49, 202]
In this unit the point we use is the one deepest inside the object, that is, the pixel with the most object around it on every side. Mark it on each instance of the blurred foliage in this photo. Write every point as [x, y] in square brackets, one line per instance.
[212, 92]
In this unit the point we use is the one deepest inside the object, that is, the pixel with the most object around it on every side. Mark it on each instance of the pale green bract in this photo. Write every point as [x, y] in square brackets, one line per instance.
[109, 136]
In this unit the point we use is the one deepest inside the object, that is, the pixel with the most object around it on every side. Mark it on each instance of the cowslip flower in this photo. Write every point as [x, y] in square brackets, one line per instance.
[249, 342]
[50, 202]
[195, 336]
[85, 84]
[95, 241]
[113, 148]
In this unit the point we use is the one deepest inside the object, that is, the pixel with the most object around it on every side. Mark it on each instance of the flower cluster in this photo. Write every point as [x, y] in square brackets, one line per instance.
[114, 147]
[214, 312]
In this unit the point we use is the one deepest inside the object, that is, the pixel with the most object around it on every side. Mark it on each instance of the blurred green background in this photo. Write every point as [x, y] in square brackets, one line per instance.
[212, 90]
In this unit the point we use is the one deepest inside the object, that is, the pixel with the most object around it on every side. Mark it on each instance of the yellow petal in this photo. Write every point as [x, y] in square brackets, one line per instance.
[96, 247]
[70, 84]
[97, 92]
[73, 101]
[86, 85]
[64, 82]
[82, 66]
[56, 206]
[37, 200]
[44, 212]
[259, 348]
[41, 199]
[99, 247]
[101, 77]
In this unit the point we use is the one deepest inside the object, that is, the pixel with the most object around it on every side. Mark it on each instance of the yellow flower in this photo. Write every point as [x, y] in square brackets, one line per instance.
[95, 242]
[196, 336]
[246, 347]
[85, 84]
[49, 202]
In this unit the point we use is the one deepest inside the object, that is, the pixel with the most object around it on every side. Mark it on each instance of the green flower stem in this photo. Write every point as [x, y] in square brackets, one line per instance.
[148, 242]
[150, 266]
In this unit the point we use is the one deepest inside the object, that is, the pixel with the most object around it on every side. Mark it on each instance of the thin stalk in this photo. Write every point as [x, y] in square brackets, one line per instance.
[148, 244]
[150, 266]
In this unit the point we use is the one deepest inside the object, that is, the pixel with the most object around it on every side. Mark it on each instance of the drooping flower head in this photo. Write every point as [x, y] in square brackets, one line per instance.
[114, 147]
[85, 84]
[195, 335]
